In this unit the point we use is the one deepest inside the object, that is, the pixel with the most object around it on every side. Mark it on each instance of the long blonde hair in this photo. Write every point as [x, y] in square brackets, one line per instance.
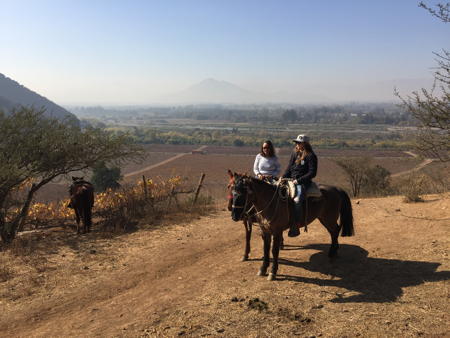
[307, 149]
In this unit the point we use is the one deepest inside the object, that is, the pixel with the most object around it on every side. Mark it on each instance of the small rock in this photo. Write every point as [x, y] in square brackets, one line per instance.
[397, 210]
[220, 330]
[86, 268]
[357, 202]
[387, 322]
[181, 333]
[92, 251]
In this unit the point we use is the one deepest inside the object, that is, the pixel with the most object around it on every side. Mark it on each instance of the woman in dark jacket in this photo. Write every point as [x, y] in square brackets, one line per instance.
[302, 168]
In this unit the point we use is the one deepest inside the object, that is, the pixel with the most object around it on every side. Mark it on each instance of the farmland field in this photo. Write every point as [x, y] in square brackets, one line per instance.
[217, 159]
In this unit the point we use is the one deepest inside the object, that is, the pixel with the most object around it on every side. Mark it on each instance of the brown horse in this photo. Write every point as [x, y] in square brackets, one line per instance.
[248, 218]
[273, 205]
[82, 200]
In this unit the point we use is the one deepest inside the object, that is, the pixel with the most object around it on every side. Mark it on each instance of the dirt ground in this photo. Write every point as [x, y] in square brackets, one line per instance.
[186, 279]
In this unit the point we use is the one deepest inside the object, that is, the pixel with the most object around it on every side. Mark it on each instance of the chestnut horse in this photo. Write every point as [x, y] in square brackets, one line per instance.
[272, 204]
[82, 201]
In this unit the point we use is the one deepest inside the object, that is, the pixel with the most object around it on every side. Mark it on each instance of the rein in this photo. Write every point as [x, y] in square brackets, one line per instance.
[259, 212]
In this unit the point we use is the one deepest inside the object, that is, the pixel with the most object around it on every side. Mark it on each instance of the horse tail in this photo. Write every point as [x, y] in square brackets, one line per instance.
[346, 215]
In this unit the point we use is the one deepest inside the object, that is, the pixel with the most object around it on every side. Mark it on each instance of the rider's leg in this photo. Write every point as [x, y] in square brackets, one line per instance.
[294, 229]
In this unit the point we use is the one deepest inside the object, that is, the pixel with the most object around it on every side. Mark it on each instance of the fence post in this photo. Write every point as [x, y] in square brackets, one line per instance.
[197, 191]
[145, 187]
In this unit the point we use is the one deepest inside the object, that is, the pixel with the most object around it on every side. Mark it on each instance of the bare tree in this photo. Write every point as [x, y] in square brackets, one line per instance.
[431, 107]
[356, 169]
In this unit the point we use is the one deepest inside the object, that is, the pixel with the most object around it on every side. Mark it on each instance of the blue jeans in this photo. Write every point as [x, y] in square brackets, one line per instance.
[298, 194]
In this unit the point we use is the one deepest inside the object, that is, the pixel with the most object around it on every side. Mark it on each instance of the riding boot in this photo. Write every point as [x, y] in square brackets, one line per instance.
[294, 229]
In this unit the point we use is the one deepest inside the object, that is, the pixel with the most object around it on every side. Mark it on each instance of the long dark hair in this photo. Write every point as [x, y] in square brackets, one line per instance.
[271, 150]
[302, 154]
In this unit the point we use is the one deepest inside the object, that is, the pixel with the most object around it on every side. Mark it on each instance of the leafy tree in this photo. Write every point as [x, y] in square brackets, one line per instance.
[36, 150]
[431, 108]
[104, 177]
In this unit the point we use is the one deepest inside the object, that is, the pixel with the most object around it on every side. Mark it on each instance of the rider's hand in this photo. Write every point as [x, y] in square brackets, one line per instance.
[295, 182]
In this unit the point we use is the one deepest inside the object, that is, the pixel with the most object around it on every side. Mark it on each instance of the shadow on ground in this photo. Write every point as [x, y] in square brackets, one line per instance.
[376, 280]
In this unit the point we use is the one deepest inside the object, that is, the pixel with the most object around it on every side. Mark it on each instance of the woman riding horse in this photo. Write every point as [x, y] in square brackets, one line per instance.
[302, 168]
[266, 164]
[273, 206]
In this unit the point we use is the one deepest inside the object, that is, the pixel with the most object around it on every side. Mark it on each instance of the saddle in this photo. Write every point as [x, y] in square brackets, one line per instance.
[312, 191]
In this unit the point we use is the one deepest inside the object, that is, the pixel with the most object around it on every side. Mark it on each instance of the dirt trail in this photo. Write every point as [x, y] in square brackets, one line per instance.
[391, 279]
[140, 171]
[422, 164]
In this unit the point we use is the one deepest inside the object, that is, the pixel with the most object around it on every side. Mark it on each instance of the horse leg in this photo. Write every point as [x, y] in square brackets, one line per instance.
[77, 218]
[248, 235]
[275, 251]
[333, 229]
[282, 242]
[88, 218]
[83, 218]
[266, 259]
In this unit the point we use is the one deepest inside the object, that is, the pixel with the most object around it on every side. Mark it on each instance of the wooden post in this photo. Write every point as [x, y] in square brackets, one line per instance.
[197, 191]
[145, 187]
[172, 193]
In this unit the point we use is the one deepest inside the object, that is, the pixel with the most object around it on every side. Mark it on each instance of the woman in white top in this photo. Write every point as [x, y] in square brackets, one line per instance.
[266, 163]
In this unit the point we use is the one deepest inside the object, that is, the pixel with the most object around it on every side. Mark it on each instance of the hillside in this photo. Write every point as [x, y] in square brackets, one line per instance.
[186, 279]
[13, 94]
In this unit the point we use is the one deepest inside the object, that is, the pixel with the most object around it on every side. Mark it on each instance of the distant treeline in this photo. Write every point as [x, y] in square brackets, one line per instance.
[237, 138]
[357, 113]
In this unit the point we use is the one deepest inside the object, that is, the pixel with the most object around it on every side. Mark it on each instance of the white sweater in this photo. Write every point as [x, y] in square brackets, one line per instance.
[266, 165]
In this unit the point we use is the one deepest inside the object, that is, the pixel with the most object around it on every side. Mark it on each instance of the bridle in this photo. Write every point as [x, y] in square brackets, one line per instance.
[278, 191]
[245, 213]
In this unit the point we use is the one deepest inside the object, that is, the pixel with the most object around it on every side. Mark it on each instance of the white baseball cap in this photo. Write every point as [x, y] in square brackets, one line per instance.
[301, 138]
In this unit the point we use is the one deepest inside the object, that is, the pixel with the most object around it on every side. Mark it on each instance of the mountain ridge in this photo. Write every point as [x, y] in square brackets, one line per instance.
[13, 95]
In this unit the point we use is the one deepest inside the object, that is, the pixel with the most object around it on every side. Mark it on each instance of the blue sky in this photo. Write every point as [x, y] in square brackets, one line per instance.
[134, 52]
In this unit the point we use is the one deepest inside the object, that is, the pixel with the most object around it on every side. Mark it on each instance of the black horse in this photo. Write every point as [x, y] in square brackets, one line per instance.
[82, 201]
[272, 204]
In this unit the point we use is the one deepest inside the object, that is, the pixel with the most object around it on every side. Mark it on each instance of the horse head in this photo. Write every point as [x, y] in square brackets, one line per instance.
[241, 194]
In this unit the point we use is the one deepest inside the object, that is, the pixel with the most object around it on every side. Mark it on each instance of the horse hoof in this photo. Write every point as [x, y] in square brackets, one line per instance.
[271, 277]
[244, 259]
[261, 273]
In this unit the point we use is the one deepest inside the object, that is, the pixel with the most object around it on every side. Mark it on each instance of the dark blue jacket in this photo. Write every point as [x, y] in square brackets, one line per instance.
[303, 172]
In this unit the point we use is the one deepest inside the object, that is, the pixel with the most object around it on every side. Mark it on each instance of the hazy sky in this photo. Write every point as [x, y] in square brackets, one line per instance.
[133, 52]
